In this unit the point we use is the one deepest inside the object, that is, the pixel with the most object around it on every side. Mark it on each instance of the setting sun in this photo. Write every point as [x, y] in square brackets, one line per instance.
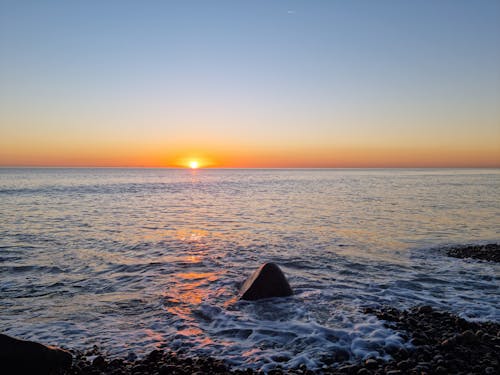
[193, 164]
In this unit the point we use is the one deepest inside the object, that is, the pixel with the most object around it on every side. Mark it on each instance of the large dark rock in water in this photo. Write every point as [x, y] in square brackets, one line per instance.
[24, 357]
[268, 281]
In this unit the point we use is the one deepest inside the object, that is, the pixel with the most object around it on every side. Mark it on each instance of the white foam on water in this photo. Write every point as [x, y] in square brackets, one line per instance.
[281, 332]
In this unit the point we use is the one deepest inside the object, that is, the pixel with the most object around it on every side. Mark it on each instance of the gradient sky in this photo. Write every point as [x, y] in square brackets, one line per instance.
[250, 83]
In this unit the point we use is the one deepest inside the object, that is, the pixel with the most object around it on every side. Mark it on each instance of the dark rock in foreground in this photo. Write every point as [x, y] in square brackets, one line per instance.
[22, 357]
[489, 252]
[268, 281]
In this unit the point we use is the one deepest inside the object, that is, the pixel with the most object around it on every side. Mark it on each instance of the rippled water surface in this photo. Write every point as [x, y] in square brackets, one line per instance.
[133, 260]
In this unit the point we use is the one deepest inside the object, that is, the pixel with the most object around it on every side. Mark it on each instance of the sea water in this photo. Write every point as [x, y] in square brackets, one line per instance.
[138, 259]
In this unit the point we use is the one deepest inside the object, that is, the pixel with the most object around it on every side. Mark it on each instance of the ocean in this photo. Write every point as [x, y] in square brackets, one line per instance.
[137, 259]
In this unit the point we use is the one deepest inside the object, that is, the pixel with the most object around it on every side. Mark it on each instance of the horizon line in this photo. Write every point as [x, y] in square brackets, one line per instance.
[232, 168]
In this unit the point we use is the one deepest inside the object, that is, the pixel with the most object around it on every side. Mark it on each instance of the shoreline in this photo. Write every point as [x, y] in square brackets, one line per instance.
[443, 343]
[440, 343]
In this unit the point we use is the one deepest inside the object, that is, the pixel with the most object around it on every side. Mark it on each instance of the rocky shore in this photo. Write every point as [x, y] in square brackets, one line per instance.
[157, 362]
[490, 252]
[443, 343]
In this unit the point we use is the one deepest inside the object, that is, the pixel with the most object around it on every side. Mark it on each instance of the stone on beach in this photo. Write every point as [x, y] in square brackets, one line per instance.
[266, 282]
[21, 356]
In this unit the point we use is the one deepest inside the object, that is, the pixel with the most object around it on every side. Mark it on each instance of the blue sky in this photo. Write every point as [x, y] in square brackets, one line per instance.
[288, 76]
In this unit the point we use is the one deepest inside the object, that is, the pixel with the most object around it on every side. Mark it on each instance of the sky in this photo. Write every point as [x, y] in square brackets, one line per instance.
[253, 84]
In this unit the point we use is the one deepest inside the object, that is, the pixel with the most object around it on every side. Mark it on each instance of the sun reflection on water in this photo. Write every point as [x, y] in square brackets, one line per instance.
[191, 235]
[192, 289]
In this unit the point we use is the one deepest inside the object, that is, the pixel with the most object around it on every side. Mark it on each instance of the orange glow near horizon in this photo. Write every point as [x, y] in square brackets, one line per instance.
[251, 156]
[192, 160]
[346, 157]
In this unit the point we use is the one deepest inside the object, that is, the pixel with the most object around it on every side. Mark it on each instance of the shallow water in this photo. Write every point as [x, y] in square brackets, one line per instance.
[138, 259]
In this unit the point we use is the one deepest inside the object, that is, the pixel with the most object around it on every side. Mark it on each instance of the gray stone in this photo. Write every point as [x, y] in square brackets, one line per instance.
[266, 282]
[469, 337]
[371, 363]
